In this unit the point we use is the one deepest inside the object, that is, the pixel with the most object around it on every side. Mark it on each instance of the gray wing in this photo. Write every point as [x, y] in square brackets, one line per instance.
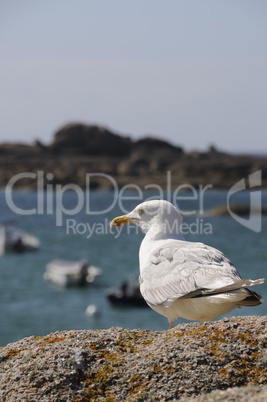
[185, 271]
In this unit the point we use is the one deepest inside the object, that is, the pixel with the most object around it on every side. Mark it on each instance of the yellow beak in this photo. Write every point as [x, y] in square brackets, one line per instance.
[120, 220]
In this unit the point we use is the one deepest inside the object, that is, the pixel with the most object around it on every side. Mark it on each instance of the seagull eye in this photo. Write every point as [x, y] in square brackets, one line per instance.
[141, 211]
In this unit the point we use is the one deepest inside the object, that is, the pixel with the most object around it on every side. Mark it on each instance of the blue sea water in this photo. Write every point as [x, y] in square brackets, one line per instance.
[31, 306]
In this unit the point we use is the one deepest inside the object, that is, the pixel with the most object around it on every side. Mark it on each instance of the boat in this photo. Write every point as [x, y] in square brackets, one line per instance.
[127, 293]
[71, 273]
[14, 239]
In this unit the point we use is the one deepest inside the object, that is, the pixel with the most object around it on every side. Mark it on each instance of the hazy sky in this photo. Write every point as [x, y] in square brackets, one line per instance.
[193, 72]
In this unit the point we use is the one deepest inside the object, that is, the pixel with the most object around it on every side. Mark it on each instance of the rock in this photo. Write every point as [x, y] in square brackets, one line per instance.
[191, 360]
[150, 144]
[77, 138]
[78, 149]
[17, 150]
[251, 393]
[149, 155]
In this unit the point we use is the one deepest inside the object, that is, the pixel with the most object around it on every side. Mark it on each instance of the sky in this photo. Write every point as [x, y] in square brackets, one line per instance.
[191, 72]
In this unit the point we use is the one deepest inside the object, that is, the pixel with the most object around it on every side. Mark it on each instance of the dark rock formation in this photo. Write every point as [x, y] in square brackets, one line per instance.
[78, 149]
[137, 365]
[82, 139]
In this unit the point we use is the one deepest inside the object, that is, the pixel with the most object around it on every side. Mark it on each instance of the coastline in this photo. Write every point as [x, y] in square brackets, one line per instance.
[77, 150]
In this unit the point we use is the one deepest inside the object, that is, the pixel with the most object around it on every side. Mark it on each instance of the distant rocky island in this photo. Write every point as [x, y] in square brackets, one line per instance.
[78, 149]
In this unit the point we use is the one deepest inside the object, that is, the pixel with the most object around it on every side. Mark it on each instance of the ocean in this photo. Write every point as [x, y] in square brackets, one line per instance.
[73, 226]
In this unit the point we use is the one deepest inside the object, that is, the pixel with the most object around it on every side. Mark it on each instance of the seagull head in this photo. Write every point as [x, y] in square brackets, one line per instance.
[156, 216]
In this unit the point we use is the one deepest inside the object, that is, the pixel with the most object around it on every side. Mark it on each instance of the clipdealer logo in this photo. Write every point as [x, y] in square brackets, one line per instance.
[51, 201]
[50, 197]
[254, 221]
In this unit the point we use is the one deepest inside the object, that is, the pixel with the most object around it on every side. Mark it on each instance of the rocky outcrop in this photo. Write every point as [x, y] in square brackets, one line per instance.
[83, 139]
[221, 359]
[77, 149]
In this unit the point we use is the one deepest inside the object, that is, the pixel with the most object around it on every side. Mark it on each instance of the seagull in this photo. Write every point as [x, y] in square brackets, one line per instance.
[184, 279]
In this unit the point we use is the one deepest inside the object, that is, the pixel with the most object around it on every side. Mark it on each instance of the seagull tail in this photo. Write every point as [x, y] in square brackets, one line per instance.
[250, 298]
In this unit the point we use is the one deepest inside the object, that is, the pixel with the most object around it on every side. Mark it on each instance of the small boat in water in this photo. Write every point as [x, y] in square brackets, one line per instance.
[16, 240]
[71, 273]
[128, 293]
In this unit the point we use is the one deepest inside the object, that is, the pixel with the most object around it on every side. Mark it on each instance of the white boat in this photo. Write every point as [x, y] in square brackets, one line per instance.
[71, 273]
[15, 239]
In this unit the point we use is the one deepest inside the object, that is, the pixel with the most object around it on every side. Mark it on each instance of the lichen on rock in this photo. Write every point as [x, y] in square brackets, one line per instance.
[191, 361]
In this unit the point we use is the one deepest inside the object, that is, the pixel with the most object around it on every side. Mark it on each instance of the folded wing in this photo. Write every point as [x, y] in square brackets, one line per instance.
[191, 270]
